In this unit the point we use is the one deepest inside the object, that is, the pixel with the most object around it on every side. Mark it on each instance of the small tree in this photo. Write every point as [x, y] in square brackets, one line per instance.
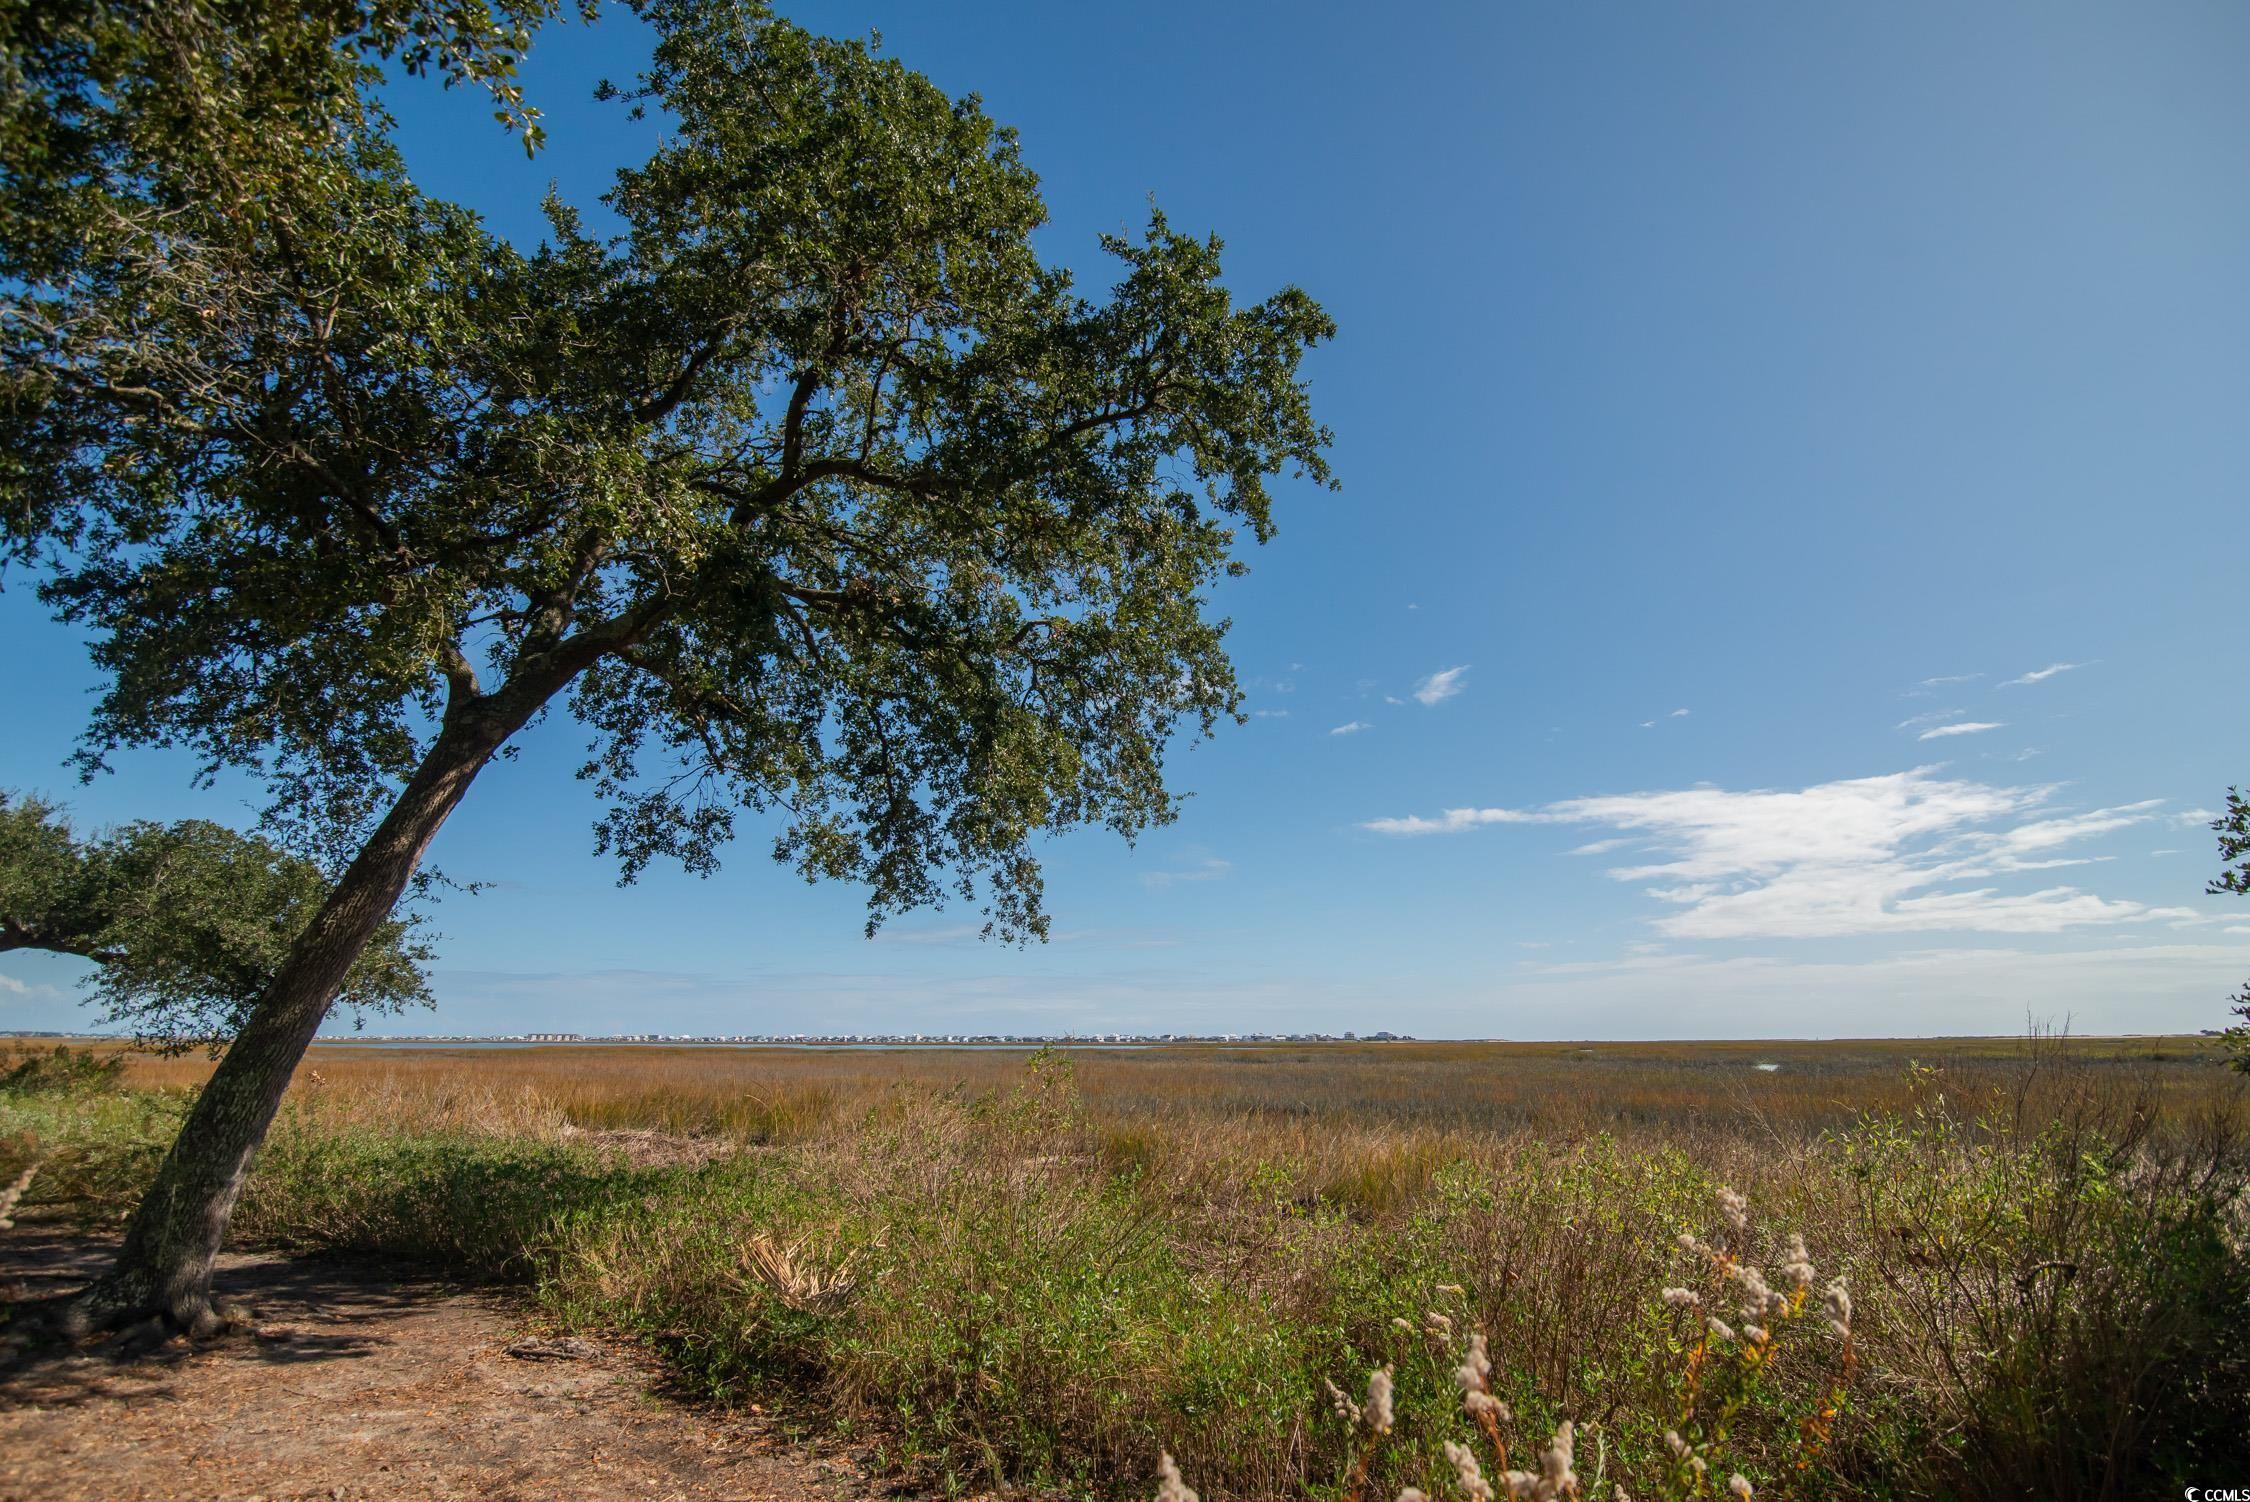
[814, 493]
[186, 923]
[2233, 830]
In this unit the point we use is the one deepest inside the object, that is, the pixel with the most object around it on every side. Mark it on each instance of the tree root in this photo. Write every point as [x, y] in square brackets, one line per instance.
[133, 1308]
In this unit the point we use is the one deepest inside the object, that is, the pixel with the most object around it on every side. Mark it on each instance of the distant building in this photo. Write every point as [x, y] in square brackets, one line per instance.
[554, 1037]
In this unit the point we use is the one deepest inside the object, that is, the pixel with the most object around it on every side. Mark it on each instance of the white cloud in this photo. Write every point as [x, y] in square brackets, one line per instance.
[1211, 868]
[16, 989]
[1440, 686]
[1648, 724]
[1965, 727]
[1933, 717]
[2041, 675]
[1351, 727]
[1678, 714]
[1454, 820]
[1868, 855]
[1269, 714]
[1946, 678]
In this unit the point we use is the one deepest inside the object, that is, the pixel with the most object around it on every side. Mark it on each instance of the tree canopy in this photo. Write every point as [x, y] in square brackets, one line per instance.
[821, 493]
[2233, 830]
[813, 492]
[186, 923]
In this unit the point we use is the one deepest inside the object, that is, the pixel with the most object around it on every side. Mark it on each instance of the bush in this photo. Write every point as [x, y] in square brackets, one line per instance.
[2052, 1298]
[59, 1071]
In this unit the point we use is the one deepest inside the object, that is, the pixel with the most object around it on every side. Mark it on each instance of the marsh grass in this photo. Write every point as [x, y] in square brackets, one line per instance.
[1056, 1269]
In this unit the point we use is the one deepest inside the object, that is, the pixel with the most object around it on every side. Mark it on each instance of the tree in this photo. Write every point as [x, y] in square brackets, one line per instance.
[2233, 830]
[186, 923]
[812, 494]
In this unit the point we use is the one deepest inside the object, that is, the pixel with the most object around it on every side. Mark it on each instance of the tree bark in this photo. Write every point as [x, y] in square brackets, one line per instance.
[164, 1267]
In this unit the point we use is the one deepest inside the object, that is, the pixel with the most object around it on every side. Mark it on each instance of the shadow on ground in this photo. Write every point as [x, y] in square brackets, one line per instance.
[358, 1381]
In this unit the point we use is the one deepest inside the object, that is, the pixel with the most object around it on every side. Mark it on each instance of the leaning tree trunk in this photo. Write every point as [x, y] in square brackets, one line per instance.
[164, 1267]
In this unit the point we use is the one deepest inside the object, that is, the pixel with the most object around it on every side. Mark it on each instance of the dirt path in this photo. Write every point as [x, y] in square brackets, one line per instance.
[363, 1383]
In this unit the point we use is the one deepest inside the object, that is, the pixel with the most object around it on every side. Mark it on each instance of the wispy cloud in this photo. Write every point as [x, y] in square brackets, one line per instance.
[2041, 675]
[1269, 714]
[1678, 714]
[1932, 717]
[1211, 868]
[1901, 853]
[1945, 678]
[31, 990]
[1454, 820]
[1351, 727]
[1963, 727]
[1441, 685]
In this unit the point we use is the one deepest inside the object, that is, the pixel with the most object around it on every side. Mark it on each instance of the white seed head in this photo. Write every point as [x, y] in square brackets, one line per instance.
[1379, 1400]
[1736, 1209]
[1797, 1264]
[1475, 1371]
[1739, 1484]
[1169, 1485]
[1467, 1474]
[1757, 1295]
[1483, 1402]
[1341, 1401]
[1682, 1298]
[1719, 1329]
[1557, 1476]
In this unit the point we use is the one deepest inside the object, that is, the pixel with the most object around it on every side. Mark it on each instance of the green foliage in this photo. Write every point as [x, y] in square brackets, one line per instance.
[186, 923]
[2057, 1311]
[62, 1070]
[2233, 830]
[818, 490]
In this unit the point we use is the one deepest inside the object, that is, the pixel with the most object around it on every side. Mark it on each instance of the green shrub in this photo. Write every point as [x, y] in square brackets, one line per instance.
[1008, 1287]
[58, 1071]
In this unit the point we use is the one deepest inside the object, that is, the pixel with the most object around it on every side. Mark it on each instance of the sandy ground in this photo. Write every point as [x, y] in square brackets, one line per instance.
[363, 1383]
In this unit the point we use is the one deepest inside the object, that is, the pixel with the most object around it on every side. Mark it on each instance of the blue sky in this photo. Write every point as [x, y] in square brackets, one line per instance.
[1793, 464]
